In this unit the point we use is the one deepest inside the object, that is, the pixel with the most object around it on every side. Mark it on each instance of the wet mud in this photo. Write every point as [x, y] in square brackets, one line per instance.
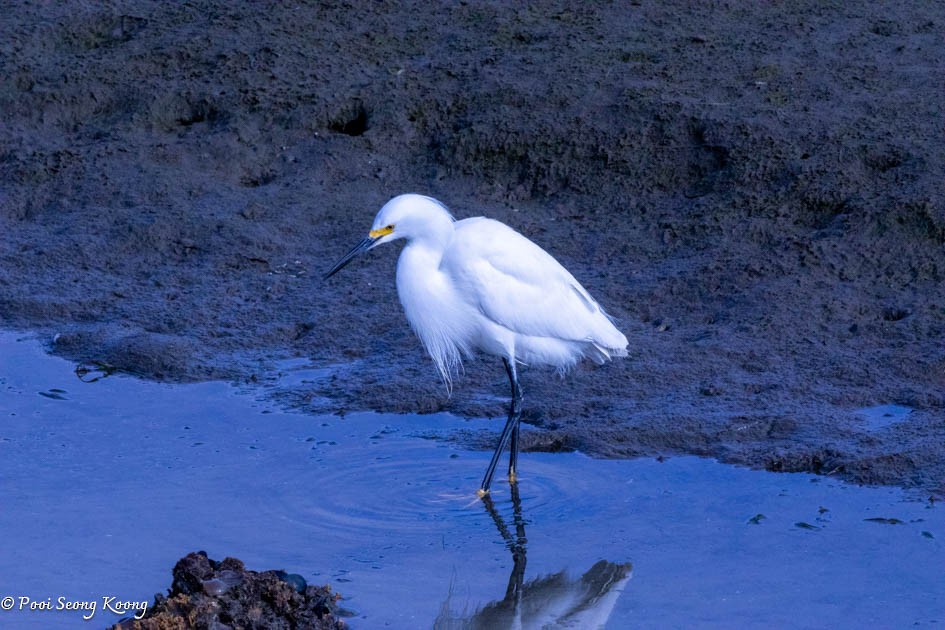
[753, 192]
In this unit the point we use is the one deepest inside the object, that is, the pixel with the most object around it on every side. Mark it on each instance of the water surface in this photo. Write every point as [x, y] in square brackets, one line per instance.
[104, 485]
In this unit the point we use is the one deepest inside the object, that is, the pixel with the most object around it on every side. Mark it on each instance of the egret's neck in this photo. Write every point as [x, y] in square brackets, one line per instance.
[419, 280]
[421, 285]
[429, 244]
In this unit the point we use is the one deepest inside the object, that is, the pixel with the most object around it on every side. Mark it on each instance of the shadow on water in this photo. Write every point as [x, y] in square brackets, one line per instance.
[554, 600]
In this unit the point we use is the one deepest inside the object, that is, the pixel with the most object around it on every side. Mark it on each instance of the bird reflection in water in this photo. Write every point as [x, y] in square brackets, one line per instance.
[551, 601]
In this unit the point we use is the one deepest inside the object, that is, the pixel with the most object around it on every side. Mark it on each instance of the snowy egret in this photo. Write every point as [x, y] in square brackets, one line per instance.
[477, 284]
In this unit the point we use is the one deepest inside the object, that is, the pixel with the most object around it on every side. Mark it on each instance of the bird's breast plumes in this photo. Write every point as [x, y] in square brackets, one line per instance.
[436, 314]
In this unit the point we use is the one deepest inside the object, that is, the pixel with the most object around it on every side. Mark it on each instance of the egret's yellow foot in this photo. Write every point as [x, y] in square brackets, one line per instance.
[482, 492]
[513, 478]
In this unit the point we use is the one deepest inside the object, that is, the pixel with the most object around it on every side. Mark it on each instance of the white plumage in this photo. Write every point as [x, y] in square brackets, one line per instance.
[477, 284]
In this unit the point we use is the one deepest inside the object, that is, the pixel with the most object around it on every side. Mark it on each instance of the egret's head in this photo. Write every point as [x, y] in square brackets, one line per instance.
[406, 216]
[409, 216]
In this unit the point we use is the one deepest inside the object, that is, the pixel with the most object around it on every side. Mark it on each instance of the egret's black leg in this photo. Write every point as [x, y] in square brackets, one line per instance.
[516, 395]
[511, 426]
[503, 440]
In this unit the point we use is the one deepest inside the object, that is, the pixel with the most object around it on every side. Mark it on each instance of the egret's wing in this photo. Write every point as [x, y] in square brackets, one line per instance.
[520, 286]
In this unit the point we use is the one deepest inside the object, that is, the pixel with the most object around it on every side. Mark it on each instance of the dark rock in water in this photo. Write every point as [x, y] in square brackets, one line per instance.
[220, 595]
[294, 580]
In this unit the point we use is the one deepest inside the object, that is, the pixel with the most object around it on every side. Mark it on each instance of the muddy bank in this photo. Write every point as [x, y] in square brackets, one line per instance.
[754, 193]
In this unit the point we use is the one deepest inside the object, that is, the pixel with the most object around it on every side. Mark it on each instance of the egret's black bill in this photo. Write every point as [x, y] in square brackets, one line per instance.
[359, 249]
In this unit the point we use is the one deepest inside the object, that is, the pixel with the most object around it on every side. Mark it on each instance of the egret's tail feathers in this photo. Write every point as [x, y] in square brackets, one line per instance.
[619, 352]
[607, 338]
[600, 354]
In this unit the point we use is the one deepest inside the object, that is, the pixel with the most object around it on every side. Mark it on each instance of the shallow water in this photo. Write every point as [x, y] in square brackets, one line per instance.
[104, 485]
[884, 416]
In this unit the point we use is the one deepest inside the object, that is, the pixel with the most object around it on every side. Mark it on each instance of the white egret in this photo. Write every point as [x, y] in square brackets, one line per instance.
[477, 284]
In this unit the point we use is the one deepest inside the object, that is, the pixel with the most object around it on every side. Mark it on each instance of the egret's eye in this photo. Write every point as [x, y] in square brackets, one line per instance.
[390, 227]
